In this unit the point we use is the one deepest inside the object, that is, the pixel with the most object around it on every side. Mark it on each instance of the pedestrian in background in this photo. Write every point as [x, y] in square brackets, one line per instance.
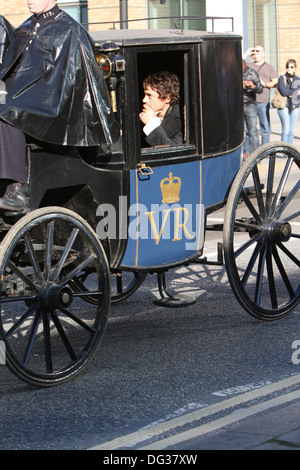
[251, 87]
[268, 78]
[289, 86]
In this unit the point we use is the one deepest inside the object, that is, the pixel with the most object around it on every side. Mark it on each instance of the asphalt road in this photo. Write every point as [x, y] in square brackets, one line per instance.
[154, 364]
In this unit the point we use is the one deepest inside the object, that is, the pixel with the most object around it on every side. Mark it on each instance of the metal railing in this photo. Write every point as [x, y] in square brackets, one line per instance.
[176, 23]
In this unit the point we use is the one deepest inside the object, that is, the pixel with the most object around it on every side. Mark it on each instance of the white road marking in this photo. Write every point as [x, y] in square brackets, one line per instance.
[156, 430]
[222, 422]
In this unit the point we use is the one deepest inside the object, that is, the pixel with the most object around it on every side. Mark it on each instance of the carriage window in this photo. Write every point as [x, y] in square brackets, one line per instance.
[159, 72]
[222, 96]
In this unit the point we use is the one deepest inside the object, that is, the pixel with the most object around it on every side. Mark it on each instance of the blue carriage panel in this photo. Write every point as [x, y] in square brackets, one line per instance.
[166, 217]
[217, 176]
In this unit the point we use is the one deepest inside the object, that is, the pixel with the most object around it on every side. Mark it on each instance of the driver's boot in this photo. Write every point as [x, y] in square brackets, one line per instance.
[16, 198]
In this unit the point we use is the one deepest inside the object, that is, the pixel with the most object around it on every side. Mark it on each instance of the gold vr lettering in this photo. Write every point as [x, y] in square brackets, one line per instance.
[177, 224]
[163, 221]
[160, 219]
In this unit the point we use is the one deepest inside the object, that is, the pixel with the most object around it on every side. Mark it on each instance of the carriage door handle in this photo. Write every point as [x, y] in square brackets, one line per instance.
[144, 169]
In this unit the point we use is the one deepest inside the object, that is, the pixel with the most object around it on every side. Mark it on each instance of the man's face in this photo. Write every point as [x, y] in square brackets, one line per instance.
[40, 6]
[153, 101]
[258, 55]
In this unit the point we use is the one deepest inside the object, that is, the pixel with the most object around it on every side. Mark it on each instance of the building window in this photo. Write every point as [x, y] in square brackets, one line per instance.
[176, 8]
[262, 28]
[78, 9]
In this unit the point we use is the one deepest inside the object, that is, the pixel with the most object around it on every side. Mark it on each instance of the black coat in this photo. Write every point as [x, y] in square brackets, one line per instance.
[57, 94]
[6, 29]
[249, 93]
[291, 89]
[170, 130]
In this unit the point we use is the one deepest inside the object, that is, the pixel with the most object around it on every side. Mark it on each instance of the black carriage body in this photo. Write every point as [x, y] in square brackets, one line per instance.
[146, 209]
[111, 186]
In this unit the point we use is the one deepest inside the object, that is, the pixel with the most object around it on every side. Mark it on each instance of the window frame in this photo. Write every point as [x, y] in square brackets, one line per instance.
[82, 8]
[190, 95]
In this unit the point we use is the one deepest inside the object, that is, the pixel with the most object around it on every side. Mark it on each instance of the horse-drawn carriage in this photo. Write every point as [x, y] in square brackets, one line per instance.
[104, 217]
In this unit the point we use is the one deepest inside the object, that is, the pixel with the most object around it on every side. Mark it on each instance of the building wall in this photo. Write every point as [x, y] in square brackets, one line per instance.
[98, 11]
[15, 12]
[262, 28]
[289, 32]
[109, 10]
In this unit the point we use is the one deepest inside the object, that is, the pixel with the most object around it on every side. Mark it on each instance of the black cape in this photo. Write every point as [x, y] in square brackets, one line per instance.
[58, 94]
[6, 29]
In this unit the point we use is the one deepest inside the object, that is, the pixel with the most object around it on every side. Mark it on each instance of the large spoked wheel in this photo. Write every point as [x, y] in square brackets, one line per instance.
[50, 332]
[262, 231]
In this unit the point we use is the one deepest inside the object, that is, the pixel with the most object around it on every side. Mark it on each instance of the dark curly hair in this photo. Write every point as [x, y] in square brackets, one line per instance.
[165, 84]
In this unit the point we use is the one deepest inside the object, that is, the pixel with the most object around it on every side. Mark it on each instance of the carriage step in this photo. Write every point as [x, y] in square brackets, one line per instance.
[170, 300]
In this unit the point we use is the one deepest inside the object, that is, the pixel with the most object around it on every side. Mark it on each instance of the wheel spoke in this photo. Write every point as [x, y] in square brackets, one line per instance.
[248, 226]
[287, 200]
[282, 184]
[271, 280]
[19, 298]
[23, 276]
[47, 343]
[63, 336]
[292, 216]
[90, 293]
[256, 238]
[34, 261]
[259, 278]
[32, 336]
[48, 250]
[78, 320]
[258, 190]
[60, 264]
[270, 183]
[283, 273]
[20, 322]
[68, 277]
[251, 262]
[289, 254]
[251, 208]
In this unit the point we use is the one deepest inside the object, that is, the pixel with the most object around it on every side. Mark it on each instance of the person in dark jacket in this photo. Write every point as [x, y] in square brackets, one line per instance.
[289, 86]
[55, 93]
[251, 86]
[161, 113]
[268, 78]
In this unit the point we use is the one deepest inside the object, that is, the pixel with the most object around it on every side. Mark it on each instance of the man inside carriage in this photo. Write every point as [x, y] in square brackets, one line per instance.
[161, 114]
[55, 93]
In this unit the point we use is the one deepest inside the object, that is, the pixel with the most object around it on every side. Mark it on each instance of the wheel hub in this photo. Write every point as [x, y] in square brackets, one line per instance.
[55, 296]
[278, 232]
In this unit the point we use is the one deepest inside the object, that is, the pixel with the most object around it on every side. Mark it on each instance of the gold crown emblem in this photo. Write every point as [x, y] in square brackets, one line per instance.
[170, 189]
